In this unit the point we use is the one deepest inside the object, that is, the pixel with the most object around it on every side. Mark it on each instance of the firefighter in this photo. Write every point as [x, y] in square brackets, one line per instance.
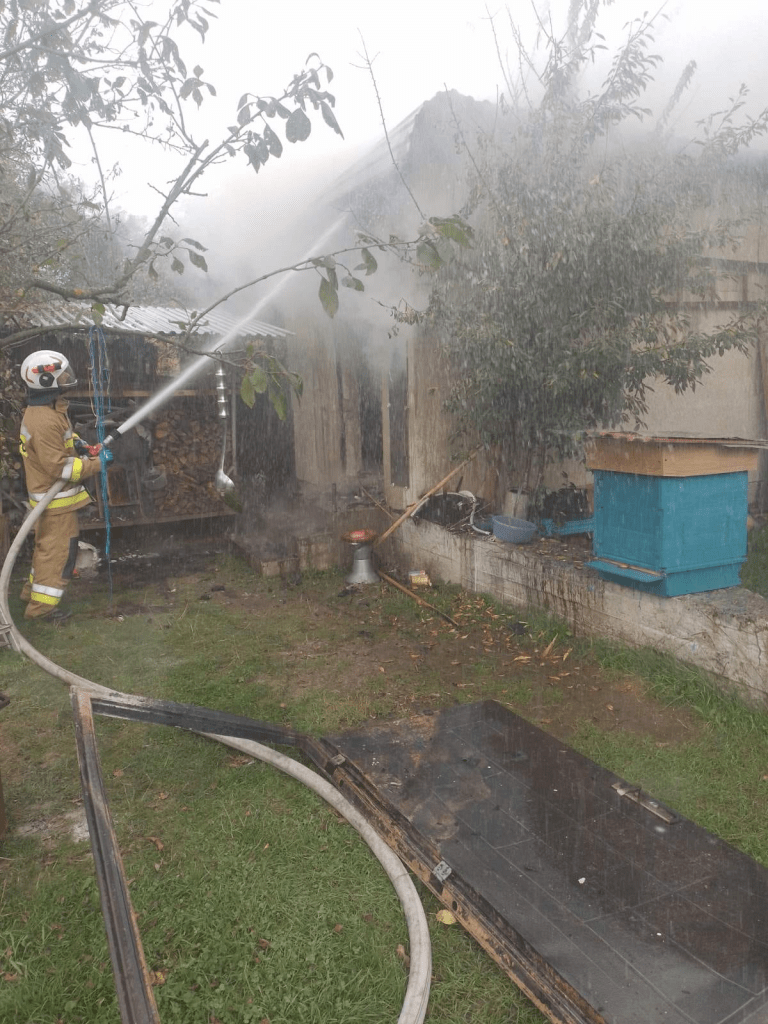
[51, 451]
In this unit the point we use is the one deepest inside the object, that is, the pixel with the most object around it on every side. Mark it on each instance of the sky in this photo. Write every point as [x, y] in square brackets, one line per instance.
[418, 47]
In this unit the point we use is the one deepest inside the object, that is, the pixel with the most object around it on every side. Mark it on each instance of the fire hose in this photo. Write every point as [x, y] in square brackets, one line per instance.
[417, 991]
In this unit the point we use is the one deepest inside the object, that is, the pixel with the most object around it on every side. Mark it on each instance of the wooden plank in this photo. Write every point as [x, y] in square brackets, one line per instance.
[668, 457]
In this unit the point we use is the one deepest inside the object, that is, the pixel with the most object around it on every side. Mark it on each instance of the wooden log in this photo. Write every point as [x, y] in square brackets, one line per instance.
[416, 598]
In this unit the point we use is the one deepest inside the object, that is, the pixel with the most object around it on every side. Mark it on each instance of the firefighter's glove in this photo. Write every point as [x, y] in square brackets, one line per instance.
[84, 450]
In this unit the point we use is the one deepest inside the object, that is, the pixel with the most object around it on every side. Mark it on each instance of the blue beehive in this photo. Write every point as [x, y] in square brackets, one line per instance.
[667, 529]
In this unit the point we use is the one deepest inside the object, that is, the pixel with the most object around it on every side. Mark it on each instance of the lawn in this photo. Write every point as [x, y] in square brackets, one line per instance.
[255, 901]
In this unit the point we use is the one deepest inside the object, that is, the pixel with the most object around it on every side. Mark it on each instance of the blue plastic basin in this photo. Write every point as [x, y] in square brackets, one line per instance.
[514, 531]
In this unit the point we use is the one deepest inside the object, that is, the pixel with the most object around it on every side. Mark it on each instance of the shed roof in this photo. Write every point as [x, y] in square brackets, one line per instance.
[153, 320]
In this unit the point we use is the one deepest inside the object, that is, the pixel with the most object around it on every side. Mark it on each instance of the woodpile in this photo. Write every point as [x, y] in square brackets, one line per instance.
[186, 445]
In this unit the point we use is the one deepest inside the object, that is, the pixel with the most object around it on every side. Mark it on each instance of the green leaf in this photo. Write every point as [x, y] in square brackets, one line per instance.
[329, 118]
[280, 402]
[177, 266]
[152, 272]
[325, 261]
[273, 142]
[259, 380]
[145, 30]
[244, 115]
[197, 245]
[197, 260]
[353, 282]
[98, 309]
[247, 393]
[455, 229]
[328, 297]
[298, 126]
[192, 86]
[427, 254]
[369, 264]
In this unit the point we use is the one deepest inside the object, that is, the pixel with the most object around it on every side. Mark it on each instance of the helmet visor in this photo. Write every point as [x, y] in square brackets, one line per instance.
[66, 379]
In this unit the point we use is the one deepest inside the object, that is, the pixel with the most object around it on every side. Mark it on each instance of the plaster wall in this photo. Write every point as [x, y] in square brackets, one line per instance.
[724, 631]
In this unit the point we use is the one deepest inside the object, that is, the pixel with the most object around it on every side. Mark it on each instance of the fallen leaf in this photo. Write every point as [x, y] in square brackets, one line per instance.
[445, 917]
[158, 842]
[338, 928]
[238, 760]
[157, 977]
[264, 943]
[118, 773]
[610, 707]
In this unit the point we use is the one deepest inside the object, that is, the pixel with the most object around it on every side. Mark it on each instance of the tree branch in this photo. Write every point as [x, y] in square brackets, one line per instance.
[369, 68]
[91, 9]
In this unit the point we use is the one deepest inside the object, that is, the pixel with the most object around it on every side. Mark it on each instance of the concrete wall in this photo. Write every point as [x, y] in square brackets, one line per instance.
[725, 631]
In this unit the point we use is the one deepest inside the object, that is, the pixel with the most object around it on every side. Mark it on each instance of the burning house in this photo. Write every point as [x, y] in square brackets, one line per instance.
[376, 389]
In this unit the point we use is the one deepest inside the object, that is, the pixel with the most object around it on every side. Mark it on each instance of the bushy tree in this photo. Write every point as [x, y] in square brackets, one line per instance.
[561, 315]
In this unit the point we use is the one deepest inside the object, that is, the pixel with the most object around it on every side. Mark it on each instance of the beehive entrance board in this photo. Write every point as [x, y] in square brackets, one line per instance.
[603, 905]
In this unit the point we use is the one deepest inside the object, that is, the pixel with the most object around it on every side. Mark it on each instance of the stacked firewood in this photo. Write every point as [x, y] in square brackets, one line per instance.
[186, 445]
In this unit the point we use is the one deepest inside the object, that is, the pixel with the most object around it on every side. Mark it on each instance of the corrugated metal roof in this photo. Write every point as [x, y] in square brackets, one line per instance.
[153, 320]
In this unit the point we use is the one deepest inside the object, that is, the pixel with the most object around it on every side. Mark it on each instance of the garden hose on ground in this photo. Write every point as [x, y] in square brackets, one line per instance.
[420, 973]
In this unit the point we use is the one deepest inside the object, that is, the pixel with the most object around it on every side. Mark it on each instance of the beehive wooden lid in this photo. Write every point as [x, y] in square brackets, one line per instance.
[676, 455]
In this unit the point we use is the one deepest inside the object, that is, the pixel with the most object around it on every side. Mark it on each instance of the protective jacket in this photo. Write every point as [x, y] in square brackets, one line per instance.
[47, 447]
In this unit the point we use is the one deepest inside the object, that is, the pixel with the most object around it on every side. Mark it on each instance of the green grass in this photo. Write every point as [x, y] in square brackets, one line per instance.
[240, 877]
[720, 778]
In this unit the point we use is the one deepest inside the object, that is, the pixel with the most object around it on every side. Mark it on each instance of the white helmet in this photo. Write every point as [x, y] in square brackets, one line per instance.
[47, 371]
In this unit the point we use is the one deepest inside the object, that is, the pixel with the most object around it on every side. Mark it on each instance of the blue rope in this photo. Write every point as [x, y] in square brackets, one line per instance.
[100, 380]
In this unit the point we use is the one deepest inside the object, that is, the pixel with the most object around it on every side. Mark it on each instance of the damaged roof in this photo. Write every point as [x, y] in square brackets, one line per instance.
[152, 320]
